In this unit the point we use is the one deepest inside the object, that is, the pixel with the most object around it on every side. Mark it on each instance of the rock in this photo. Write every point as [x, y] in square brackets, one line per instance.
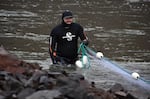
[44, 80]
[74, 92]
[9, 82]
[129, 96]
[34, 79]
[45, 94]
[54, 74]
[116, 88]
[46, 83]
[25, 92]
[76, 77]
[101, 93]
[3, 51]
[21, 80]
[121, 93]
[71, 87]
[12, 64]
[2, 97]
[61, 81]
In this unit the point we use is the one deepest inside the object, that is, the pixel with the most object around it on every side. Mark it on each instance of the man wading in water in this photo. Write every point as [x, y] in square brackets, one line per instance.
[63, 43]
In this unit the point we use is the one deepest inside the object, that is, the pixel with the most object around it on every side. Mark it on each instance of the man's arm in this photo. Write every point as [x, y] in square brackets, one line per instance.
[85, 41]
[83, 36]
[52, 48]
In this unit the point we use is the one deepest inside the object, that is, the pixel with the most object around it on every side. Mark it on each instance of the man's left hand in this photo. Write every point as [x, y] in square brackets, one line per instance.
[85, 42]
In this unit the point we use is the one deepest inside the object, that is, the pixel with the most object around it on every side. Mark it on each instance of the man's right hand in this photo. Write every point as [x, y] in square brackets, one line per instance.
[54, 54]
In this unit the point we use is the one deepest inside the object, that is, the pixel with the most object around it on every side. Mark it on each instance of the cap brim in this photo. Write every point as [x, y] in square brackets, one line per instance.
[68, 17]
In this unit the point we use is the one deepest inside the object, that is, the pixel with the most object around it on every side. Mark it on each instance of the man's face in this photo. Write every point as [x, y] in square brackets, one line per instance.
[68, 20]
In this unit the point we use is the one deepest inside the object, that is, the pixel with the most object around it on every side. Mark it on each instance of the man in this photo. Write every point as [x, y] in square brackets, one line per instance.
[64, 40]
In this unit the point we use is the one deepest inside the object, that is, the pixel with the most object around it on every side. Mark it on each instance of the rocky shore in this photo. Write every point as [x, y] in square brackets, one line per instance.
[22, 80]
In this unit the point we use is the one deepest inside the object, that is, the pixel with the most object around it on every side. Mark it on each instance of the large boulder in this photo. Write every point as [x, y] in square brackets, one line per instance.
[12, 64]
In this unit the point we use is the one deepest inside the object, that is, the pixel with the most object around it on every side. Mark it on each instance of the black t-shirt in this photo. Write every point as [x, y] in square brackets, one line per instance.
[65, 40]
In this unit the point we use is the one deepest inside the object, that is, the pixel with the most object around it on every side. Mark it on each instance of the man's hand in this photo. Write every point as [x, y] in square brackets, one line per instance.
[54, 54]
[53, 57]
[85, 42]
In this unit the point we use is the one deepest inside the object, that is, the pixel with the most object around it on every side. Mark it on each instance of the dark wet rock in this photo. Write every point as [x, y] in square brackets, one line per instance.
[34, 79]
[44, 80]
[21, 80]
[71, 88]
[93, 84]
[101, 93]
[120, 92]
[12, 64]
[25, 92]
[3, 51]
[61, 81]
[45, 94]
[116, 88]
[74, 92]
[2, 97]
[54, 74]
[9, 82]
[76, 77]
[129, 96]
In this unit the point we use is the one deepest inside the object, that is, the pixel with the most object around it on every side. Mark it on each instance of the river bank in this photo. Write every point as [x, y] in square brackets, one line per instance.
[22, 80]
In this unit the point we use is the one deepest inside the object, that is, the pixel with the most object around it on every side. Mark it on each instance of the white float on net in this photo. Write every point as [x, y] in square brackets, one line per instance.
[79, 64]
[99, 55]
[85, 59]
[135, 75]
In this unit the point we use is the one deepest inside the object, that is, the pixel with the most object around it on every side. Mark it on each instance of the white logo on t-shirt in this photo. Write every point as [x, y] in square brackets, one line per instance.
[68, 36]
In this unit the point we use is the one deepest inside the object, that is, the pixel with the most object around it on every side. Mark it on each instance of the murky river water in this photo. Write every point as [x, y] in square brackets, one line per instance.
[121, 30]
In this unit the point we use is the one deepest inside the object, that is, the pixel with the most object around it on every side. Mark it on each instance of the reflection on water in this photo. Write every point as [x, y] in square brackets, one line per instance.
[118, 28]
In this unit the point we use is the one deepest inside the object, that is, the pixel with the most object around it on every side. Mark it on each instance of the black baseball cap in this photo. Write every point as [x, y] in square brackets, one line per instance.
[67, 14]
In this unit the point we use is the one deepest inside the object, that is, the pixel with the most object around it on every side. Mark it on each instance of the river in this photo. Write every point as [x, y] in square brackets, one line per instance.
[118, 28]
